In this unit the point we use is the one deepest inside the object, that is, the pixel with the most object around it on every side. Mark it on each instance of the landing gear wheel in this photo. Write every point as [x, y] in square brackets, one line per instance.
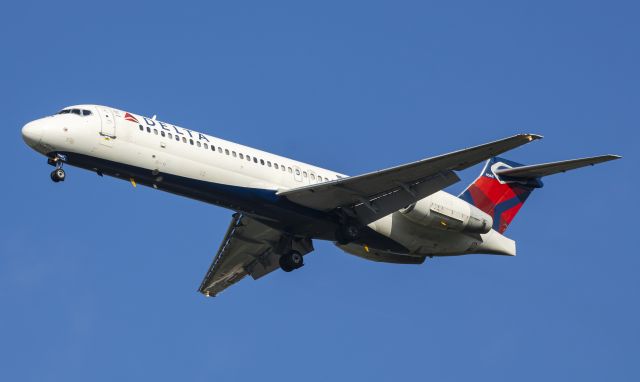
[58, 175]
[291, 261]
[347, 234]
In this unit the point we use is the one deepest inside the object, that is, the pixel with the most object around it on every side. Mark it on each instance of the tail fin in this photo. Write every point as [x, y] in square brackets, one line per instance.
[501, 200]
[504, 186]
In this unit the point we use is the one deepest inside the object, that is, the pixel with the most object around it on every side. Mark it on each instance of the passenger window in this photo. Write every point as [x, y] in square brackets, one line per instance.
[141, 128]
[297, 172]
[206, 146]
[268, 164]
[177, 138]
[170, 136]
[283, 169]
[326, 179]
[213, 148]
[191, 142]
[155, 131]
[199, 144]
[262, 162]
[220, 149]
[162, 133]
[255, 160]
[233, 153]
[148, 129]
[86, 112]
[313, 177]
[304, 173]
[275, 165]
[184, 140]
[248, 158]
[290, 171]
[226, 151]
[241, 156]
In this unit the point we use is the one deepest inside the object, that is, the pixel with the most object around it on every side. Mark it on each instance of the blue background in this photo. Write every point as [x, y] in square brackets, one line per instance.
[98, 280]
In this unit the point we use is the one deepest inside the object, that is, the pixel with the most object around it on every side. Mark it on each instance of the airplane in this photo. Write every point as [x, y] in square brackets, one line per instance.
[398, 215]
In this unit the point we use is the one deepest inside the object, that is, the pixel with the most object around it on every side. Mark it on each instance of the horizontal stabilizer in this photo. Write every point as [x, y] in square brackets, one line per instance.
[545, 169]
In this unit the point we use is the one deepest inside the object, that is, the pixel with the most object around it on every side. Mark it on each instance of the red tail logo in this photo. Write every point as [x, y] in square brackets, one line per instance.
[502, 200]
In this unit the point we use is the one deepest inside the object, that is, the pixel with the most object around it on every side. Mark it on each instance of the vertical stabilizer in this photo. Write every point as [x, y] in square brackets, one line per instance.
[501, 199]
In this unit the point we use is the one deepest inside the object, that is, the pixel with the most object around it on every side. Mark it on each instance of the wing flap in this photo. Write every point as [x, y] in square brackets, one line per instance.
[546, 169]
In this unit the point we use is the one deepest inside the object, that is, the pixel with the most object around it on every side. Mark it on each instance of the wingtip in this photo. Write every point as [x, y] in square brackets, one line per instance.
[533, 137]
[607, 157]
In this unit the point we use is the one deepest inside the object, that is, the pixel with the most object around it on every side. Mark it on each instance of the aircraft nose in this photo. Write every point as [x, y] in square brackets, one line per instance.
[32, 133]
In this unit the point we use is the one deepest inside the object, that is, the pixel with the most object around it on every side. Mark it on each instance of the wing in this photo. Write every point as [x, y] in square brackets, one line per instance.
[249, 248]
[545, 169]
[380, 193]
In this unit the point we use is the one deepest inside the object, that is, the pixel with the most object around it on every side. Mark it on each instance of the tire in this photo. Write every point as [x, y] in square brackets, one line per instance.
[291, 261]
[347, 233]
[284, 264]
[295, 259]
[60, 174]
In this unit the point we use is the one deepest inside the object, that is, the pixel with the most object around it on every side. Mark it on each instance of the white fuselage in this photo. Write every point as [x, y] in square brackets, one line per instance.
[120, 141]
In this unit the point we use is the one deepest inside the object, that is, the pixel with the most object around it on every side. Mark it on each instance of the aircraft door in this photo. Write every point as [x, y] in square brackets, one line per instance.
[108, 129]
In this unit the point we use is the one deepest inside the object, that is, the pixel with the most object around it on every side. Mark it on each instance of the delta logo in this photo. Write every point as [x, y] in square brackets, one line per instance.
[130, 118]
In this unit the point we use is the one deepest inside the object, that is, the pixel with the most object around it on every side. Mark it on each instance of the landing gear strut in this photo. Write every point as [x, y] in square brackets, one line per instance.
[291, 261]
[57, 175]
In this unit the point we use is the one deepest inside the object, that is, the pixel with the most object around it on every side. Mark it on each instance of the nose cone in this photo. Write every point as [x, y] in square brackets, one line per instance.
[32, 133]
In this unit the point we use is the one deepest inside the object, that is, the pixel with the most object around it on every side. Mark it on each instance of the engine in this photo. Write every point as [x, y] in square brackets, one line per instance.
[446, 212]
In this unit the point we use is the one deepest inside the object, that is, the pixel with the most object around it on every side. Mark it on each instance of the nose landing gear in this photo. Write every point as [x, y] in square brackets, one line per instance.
[57, 175]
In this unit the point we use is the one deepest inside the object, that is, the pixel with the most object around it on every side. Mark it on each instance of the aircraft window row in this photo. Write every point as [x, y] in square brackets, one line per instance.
[227, 152]
[80, 112]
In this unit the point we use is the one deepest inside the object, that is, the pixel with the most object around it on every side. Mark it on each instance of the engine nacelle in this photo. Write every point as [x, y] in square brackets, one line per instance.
[446, 212]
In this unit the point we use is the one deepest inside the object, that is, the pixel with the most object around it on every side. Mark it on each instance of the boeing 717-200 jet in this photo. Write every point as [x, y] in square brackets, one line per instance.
[397, 215]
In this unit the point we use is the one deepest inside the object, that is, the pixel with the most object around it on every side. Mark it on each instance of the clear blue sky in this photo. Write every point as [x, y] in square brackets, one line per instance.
[98, 280]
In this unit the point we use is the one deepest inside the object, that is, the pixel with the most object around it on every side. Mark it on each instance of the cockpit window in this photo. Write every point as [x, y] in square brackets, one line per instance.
[81, 112]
